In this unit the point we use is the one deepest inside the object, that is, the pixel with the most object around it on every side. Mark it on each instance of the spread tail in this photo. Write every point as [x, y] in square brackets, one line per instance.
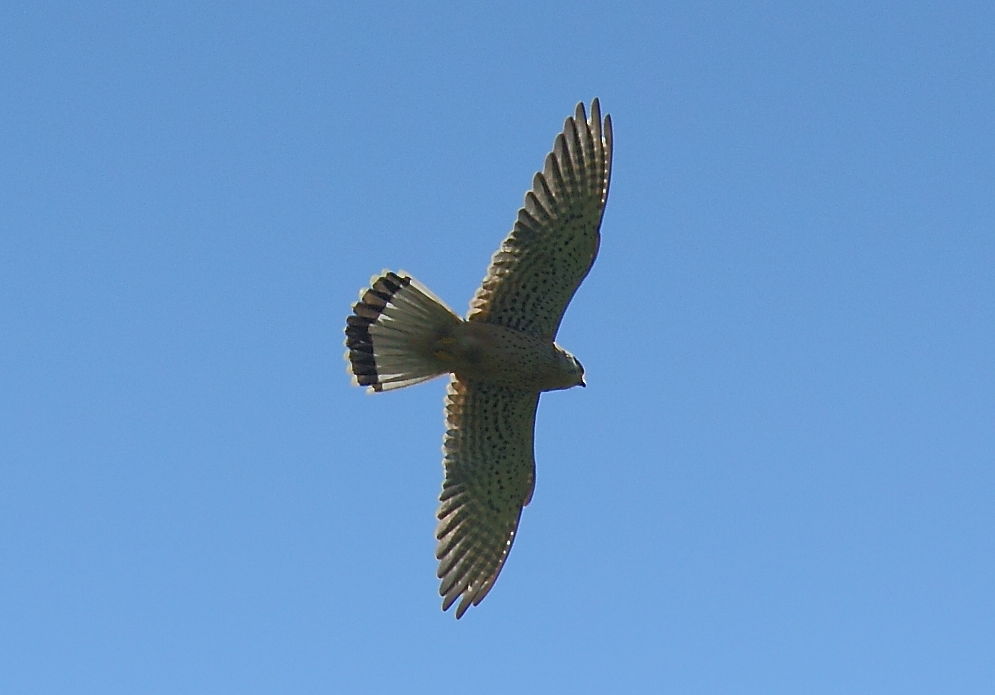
[393, 332]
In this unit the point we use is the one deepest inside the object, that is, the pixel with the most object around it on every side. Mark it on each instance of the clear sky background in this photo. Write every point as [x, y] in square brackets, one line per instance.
[779, 480]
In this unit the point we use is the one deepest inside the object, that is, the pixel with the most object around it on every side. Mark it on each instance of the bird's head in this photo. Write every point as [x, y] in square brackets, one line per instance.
[570, 372]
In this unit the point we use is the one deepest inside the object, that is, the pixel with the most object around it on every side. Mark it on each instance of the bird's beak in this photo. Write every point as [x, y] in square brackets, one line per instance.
[582, 383]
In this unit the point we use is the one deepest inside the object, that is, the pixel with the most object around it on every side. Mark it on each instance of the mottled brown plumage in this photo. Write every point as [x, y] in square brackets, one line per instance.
[501, 357]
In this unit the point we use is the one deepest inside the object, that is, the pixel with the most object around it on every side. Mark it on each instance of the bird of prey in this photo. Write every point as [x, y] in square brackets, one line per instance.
[501, 356]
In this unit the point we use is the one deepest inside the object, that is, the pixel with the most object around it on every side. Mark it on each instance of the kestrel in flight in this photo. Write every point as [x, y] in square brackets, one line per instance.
[501, 357]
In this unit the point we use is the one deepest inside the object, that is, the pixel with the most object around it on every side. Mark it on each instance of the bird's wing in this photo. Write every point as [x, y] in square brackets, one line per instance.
[552, 246]
[490, 474]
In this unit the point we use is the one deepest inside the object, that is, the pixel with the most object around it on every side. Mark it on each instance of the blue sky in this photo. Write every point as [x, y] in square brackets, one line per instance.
[779, 480]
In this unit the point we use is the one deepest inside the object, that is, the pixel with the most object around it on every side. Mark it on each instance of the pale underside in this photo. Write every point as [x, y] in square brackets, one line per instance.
[489, 461]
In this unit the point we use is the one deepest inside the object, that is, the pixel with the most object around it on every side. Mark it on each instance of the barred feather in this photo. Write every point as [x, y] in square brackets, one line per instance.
[390, 334]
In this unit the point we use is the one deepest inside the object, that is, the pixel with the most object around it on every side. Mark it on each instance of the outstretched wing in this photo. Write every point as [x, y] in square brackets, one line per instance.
[490, 474]
[552, 246]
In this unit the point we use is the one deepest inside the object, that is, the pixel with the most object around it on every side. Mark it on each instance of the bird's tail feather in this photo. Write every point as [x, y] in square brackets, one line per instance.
[393, 333]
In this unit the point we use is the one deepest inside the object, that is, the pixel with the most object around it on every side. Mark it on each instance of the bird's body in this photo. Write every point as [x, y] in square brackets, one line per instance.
[501, 357]
[505, 357]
